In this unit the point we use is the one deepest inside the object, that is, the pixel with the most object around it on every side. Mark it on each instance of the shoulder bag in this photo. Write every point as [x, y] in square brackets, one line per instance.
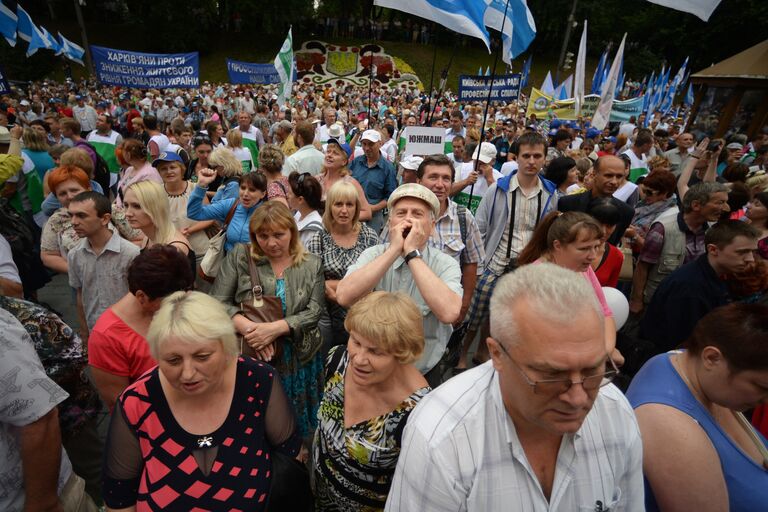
[211, 263]
[261, 309]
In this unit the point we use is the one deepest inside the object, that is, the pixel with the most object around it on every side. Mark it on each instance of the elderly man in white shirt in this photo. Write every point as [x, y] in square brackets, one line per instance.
[537, 428]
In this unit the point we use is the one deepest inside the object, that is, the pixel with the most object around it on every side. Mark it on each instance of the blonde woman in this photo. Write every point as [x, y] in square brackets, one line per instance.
[235, 143]
[335, 169]
[339, 246]
[288, 272]
[195, 394]
[371, 389]
[271, 161]
[228, 171]
[147, 209]
[36, 149]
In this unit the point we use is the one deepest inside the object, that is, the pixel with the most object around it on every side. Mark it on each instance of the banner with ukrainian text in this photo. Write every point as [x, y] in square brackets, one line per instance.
[475, 88]
[146, 70]
[251, 73]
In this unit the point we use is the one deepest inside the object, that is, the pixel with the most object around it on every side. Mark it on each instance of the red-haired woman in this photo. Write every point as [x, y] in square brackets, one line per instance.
[58, 235]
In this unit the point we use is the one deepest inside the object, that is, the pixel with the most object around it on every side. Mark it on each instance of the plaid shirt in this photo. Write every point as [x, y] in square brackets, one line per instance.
[654, 241]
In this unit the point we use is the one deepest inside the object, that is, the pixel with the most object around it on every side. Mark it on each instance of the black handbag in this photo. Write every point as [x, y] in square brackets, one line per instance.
[290, 488]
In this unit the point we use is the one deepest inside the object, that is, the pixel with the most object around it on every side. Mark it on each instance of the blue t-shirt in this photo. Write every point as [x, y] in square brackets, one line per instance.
[658, 382]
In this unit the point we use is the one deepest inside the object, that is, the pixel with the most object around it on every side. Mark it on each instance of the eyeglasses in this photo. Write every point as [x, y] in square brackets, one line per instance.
[554, 387]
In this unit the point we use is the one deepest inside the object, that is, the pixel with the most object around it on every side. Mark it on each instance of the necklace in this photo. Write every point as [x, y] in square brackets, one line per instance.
[171, 194]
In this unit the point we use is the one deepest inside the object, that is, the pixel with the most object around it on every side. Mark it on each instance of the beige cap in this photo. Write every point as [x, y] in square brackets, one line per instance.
[336, 131]
[5, 135]
[418, 192]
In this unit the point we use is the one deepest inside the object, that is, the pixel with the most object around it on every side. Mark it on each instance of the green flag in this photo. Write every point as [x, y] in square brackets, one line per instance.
[284, 66]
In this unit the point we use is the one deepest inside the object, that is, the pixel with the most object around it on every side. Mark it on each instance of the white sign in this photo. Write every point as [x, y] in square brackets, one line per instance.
[422, 140]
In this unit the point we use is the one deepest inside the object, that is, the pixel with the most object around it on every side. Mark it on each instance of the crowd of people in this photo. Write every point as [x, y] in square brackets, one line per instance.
[280, 308]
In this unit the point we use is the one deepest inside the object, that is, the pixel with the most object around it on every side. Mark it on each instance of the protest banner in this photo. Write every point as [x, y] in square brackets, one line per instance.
[4, 87]
[475, 88]
[146, 70]
[543, 106]
[251, 73]
[422, 140]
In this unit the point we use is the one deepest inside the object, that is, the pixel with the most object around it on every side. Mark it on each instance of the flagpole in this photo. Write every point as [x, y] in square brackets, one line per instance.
[88, 60]
[441, 86]
[487, 104]
[432, 77]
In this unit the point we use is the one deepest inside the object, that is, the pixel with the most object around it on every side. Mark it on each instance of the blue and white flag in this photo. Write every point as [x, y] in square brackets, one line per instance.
[597, 78]
[462, 16]
[688, 100]
[548, 87]
[563, 91]
[487, 70]
[70, 50]
[603, 112]
[701, 8]
[50, 42]
[518, 28]
[25, 26]
[526, 71]
[8, 24]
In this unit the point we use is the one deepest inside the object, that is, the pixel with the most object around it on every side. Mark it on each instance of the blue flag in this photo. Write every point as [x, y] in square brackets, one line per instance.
[70, 50]
[487, 70]
[25, 24]
[688, 100]
[8, 24]
[597, 78]
[50, 42]
[518, 28]
[526, 71]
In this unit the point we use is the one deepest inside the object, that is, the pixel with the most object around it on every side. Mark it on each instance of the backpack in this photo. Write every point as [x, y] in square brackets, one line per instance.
[24, 248]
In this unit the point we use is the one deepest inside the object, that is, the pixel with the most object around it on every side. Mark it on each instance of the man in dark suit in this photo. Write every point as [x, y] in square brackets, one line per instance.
[609, 172]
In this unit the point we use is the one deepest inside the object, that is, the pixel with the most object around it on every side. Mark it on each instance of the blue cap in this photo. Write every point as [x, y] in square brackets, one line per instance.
[552, 132]
[166, 156]
[592, 133]
[78, 97]
[555, 124]
[611, 139]
[343, 145]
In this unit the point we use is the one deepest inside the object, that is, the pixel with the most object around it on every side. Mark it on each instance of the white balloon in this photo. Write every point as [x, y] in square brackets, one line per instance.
[618, 304]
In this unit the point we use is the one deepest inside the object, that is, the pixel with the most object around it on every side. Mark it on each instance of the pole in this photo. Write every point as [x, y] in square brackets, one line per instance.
[566, 38]
[441, 87]
[488, 103]
[79, 13]
[370, 73]
[432, 79]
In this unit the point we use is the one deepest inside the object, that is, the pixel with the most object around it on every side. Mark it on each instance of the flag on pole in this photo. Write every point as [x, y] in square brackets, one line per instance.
[677, 81]
[487, 70]
[581, 61]
[8, 24]
[597, 78]
[688, 100]
[480, 71]
[603, 112]
[284, 65]
[50, 42]
[548, 87]
[701, 8]
[563, 91]
[25, 24]
[517, 30]
[70, 50]
[526, 72]
[462, 16]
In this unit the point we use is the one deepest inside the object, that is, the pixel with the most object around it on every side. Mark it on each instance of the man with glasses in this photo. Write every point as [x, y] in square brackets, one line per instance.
[539, 428]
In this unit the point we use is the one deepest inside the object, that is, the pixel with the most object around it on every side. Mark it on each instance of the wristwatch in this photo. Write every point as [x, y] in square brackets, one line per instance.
[413, 254]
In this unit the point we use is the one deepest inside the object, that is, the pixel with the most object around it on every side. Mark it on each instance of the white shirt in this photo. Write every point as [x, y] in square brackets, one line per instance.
[305, 159]
[460, 452]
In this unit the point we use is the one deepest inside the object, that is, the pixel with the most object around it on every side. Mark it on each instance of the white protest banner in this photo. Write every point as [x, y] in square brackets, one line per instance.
[423, 140]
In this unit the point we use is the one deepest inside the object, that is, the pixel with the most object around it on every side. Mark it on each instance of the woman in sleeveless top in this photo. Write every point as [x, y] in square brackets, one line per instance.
[699, 452]
[147, 208]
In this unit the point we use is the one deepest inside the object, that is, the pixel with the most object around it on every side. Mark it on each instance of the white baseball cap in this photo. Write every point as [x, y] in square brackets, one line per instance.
[411, 162]
[371, 135]
[485, 152]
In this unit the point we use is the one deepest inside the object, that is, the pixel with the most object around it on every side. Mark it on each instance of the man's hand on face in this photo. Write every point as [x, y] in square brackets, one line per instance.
[415, 239]
[397, 235]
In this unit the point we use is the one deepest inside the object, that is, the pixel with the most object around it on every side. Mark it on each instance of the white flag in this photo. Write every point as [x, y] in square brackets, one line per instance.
[284, 67]
[581, 60]
[701, 8]
[603, 112]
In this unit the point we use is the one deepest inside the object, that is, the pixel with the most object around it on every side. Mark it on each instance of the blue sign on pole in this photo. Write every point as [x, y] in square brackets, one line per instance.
[146, 70]
[251, 73]
[475, 88]
[4, 87]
